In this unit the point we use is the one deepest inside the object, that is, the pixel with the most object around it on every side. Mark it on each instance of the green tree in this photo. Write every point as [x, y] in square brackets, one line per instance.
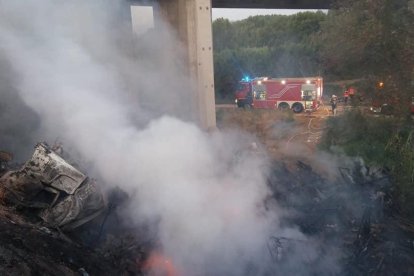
[226, 74]
[373, 40]
[274, 45]
[223, 35]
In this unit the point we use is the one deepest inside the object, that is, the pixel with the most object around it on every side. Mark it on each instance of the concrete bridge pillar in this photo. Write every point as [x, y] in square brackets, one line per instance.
[192, 20]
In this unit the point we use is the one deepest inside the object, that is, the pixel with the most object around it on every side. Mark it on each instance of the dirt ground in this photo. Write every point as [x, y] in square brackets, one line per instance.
[278, 132]
[376, 242]
[28, 248]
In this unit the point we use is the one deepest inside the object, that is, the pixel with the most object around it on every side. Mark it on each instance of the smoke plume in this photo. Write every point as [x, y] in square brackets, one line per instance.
[73, 72]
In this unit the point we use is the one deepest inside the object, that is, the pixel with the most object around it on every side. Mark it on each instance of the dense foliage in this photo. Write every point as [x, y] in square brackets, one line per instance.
[272, 45]
[373, 40]
[366, 40]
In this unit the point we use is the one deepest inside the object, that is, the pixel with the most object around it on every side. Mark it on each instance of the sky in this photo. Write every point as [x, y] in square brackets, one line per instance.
[142, 18]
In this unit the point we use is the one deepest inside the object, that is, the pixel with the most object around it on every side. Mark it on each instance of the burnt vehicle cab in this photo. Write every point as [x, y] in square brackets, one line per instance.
[54, 190]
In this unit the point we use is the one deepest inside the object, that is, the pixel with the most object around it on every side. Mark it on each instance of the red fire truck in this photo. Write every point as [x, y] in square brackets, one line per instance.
[297, 94]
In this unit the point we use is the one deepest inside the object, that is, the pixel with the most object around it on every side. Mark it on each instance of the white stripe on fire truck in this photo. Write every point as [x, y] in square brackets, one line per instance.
[283, 91]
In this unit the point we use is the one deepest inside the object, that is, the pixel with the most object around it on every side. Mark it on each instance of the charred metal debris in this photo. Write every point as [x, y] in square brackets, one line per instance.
[352, 221]
[56, 191]
[353, 217]
[50, 203]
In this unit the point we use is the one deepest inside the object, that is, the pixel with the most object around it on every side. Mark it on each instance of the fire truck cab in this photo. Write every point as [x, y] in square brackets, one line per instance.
[298, 94]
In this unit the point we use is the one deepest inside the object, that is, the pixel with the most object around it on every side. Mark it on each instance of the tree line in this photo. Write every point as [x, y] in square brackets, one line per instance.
[356, 39]
[271, 45]
[371, 42]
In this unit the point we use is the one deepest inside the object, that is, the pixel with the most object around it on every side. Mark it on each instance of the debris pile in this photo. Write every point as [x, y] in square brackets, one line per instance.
[27, 248]
[55, 220]
[354, 214]
[60, 194]
[5, 158]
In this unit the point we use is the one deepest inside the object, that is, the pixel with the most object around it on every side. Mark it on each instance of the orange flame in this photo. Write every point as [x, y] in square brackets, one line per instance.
[159, 265]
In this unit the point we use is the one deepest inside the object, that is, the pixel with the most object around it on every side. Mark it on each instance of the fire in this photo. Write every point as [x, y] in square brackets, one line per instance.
[159, 265]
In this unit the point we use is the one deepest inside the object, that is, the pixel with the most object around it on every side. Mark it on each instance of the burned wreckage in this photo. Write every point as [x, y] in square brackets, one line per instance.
[350, 222]
[59, 194]
[55, 220]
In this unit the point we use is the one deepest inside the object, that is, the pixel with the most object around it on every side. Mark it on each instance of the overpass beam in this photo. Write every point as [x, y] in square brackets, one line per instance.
[192, 21]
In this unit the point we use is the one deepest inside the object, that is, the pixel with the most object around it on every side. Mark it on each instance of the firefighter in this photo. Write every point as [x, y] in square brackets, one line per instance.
[346, 96]
[351, 92]
[334, 101]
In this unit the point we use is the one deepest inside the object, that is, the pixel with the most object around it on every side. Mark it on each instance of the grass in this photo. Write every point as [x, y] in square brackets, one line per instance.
[270, 127]
[257, 121]
[381, 141]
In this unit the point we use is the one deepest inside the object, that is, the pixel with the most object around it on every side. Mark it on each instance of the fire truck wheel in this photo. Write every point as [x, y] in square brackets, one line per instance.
[297, 107]
[283, 106]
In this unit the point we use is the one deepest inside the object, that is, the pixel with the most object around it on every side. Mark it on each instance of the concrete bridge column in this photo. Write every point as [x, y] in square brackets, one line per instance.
[192, 20]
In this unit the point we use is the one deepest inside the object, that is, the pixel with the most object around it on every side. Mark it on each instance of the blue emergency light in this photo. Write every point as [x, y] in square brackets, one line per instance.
[246, 78]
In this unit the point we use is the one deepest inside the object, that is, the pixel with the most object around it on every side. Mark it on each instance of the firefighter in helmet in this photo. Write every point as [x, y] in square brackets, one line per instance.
[346, 97]
[334, 102]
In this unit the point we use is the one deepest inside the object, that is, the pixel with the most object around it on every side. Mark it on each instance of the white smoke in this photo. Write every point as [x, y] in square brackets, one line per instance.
[74, 66]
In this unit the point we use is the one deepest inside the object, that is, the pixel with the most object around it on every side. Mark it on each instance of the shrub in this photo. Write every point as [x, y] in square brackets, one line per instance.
[380, 141]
